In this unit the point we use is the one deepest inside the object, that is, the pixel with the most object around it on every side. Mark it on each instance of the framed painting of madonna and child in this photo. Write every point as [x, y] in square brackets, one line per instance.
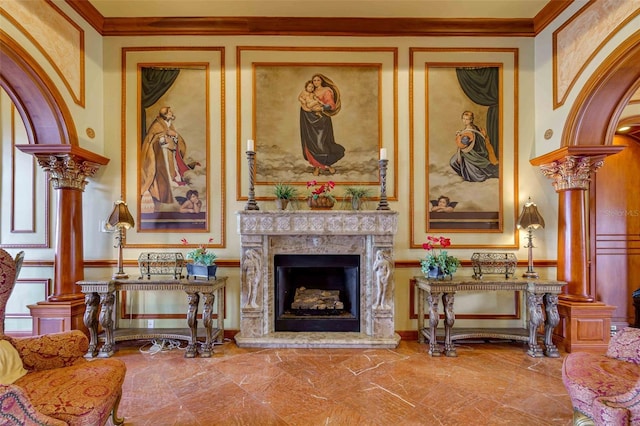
[316, 114]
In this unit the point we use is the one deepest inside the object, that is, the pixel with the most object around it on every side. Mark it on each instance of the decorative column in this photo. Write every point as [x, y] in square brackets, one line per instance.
[68, 167]
[585, 322]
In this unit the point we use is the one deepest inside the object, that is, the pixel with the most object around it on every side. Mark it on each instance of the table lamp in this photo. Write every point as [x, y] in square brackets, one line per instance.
[530, 219]
[120, 219]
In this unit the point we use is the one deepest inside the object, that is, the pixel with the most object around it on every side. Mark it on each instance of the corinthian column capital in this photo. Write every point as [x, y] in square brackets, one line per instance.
[571, 167]
[68, 165]
[571, 172]
[67, 171]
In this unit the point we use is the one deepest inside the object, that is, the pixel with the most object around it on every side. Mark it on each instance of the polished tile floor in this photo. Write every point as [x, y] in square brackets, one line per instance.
[487, 384]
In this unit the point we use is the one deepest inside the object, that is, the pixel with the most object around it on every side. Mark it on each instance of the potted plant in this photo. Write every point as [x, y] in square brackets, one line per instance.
[284, 193]
[320, 196]
[203, 261]
[357, 195]
[437, 263]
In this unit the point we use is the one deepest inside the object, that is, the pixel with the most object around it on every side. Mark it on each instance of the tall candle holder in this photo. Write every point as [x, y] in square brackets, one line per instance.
[383, 204]
[251, 202]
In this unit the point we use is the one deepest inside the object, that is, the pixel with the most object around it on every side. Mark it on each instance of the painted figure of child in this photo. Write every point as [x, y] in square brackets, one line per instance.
[308, 100]
[444, 205]
[193, 204]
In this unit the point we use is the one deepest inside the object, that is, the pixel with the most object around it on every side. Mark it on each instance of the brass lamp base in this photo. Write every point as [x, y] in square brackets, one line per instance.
[120, 276]
[530, 274]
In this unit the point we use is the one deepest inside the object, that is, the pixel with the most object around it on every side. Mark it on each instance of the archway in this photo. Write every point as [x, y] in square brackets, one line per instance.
[44, 113]
[54, 142]
[586, 142]
[597, 109]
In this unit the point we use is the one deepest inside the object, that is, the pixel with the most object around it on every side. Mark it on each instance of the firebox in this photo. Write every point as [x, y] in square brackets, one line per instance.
[318, 292]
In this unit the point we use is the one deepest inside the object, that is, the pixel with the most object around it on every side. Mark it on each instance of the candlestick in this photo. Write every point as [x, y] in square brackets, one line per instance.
[251, 145]
[251, 157]
[383, 204]
[383, 153]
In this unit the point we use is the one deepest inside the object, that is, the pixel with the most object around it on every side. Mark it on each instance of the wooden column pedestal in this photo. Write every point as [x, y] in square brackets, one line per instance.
[54, 317]
[584, 326]
[68, 167]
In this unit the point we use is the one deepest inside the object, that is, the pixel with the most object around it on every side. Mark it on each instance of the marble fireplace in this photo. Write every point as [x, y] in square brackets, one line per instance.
[332, 252]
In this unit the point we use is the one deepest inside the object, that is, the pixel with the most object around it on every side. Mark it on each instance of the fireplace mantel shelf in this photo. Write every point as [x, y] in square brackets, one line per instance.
[310, 222]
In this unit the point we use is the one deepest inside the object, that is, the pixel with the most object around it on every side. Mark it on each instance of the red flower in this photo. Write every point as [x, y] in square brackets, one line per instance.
[436, 242]
[321, 188]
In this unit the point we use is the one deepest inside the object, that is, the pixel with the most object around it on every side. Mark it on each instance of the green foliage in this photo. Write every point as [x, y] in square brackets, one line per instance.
[201, 255]
[357, 192]
[285, 191]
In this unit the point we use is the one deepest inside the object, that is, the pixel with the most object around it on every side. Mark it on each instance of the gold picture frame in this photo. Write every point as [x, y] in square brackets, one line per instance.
[480, 201]
[190, 152]
[271, 81]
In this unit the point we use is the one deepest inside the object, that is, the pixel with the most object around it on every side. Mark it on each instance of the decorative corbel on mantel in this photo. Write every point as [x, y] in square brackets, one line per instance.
[68, 167]
[570, 168]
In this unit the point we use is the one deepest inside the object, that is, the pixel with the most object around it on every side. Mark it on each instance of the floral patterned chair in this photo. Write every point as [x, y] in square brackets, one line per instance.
[605, 389]
[51, 382]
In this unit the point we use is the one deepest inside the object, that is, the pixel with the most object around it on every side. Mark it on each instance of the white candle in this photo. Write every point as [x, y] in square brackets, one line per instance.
[383, 153]
[250, 145]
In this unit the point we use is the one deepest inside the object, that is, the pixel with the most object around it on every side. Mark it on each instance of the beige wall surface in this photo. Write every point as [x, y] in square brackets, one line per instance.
[103, 113]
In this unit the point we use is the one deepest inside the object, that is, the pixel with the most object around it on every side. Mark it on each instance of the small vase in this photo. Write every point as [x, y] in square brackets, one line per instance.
[202, 271]
[438, 273]
[320, 203]
[282, 203]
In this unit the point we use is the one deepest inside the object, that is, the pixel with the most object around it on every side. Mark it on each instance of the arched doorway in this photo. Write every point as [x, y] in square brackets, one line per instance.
[54, 142]
[44, 113]
[586, 142]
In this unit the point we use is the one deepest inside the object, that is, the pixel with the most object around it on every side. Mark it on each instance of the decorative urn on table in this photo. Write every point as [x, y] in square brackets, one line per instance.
[437, 264]
[203, 264]
[321, 197]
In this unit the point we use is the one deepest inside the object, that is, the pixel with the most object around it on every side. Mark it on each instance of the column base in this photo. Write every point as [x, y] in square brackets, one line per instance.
[54, 317]
[584, 326]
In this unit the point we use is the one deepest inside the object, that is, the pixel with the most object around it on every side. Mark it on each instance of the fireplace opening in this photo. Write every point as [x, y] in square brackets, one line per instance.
[317, 292]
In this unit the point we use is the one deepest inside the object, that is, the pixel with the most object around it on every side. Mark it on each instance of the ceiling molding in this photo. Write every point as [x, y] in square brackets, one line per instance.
[250, 25]
[549, 13]
[303, 26]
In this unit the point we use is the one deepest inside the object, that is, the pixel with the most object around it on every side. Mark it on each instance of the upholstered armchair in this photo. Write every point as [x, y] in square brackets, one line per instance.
[605, 389]
[45, 380]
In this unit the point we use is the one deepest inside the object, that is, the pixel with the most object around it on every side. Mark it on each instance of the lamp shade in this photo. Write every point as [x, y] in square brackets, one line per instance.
[120, 216]
[530, 216]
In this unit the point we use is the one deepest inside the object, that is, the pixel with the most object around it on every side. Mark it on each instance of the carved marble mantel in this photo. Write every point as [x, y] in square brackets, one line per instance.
[370, 234]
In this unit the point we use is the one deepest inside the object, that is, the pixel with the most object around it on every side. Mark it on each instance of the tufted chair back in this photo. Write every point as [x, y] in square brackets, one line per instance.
[9, 270]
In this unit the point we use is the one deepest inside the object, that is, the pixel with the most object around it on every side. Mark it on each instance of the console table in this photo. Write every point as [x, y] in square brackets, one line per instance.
[539, 293]
[103, 293]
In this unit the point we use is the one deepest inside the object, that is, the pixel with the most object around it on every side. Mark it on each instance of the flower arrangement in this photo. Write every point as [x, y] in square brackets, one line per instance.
[201, 255]
[321, 189]
[437, 258]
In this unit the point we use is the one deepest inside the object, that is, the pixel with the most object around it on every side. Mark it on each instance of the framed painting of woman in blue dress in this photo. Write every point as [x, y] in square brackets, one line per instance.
[313, 118]
[464, 151]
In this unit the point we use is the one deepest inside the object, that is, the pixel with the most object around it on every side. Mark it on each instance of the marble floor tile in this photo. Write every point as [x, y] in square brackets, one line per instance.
[487, 384]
